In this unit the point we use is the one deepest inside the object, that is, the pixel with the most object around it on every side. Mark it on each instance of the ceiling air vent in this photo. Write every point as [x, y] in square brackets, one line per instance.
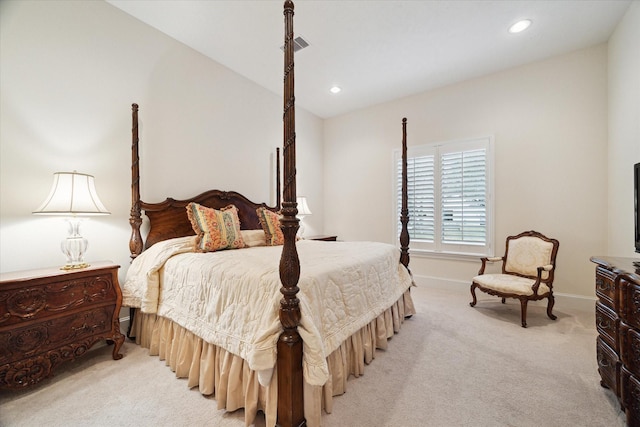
[298, 44]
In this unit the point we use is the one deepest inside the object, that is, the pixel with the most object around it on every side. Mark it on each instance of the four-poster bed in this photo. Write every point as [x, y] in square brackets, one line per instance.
[220, 317]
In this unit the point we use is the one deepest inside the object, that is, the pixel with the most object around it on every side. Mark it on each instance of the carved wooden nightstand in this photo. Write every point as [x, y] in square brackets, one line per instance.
[49, 316]
[322, 237]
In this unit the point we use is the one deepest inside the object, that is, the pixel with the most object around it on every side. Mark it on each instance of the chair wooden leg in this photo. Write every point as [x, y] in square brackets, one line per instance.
[473, 294]
[550, 307]
[523, 306]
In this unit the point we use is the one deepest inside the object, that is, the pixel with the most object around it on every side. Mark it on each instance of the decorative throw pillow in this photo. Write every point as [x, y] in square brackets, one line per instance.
[215, 229]
[270, 222]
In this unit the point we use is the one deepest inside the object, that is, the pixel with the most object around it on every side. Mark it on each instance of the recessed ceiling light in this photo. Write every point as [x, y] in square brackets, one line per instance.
[335, 89]
[520, 26]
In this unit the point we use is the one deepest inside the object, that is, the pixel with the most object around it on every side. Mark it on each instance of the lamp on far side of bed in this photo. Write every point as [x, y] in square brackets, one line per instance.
[303, 210]
[74, 196]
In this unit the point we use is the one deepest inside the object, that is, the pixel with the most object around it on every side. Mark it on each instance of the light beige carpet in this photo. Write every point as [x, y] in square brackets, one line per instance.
[450, 365]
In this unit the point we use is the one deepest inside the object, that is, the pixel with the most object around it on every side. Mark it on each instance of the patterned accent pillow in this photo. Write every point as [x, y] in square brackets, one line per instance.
[216, 229]
[270, 222]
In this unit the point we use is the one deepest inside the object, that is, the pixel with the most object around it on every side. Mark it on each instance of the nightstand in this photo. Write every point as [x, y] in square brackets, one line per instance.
[322, 237]
[49, 316]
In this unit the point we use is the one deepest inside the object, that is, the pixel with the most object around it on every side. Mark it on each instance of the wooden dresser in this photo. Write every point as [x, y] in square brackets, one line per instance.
[618, 325]
[49, 316]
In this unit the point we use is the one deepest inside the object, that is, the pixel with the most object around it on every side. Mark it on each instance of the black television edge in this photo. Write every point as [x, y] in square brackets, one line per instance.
[636, 204]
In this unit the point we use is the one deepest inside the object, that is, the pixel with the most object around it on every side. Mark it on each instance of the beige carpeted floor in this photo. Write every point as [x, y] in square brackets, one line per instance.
[450, 365]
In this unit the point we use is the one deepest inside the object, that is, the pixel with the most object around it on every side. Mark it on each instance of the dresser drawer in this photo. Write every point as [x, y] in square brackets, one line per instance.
[630, 303]
[606, 290]
[37, 299]
[630, 348]
[38, 337]
[630, 395]
[608, 366]
[607, 324]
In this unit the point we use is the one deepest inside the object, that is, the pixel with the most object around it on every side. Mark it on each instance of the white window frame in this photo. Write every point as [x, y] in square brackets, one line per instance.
[437, 248]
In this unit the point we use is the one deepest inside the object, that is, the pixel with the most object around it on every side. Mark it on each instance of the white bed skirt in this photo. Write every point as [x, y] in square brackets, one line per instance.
[233, 385]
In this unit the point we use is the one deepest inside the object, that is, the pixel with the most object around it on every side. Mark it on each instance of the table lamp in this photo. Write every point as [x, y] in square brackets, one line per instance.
[303, 210]
[74, 196]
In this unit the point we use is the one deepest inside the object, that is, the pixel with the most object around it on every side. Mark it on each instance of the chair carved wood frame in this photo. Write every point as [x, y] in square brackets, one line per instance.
[528, 268]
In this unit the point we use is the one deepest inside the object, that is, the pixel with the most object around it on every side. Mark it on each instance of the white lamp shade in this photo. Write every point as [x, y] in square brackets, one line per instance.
[72, 193]
[303, 207]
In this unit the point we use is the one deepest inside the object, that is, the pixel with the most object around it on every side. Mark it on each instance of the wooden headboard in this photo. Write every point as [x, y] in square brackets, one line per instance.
[168, 219]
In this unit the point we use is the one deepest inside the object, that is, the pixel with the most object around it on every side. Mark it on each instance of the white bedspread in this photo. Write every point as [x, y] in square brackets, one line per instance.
[231, 298]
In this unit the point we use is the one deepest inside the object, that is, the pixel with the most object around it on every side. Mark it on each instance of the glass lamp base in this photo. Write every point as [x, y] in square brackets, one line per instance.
[74, 246]
[300, 234]
[74, 266]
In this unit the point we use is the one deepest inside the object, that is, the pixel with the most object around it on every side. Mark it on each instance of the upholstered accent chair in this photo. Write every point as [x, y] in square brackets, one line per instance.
[528, 266]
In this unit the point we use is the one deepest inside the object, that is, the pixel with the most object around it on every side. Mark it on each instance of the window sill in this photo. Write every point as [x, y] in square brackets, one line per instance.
[451, 256]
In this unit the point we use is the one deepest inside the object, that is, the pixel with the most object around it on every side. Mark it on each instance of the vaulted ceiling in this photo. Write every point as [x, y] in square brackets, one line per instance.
[376, 51]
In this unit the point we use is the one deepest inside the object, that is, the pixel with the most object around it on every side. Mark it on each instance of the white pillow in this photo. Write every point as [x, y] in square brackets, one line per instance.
[253, 238]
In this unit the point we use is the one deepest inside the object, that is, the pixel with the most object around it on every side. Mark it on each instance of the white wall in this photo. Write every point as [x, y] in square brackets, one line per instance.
[624, 130]
[70, 71]
[549, 120]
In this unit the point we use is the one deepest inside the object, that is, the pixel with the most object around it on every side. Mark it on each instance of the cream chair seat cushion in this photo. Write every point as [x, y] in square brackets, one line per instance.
[508, 283]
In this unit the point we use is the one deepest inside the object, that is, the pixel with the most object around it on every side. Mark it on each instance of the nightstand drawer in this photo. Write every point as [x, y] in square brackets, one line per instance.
[19, 304]
[38, 337]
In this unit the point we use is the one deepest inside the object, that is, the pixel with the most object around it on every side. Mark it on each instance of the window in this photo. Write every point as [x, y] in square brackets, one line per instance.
[449, 197]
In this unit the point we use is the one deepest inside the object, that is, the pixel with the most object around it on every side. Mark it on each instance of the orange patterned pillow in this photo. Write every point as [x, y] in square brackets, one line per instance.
[216, 229]
[270, 222]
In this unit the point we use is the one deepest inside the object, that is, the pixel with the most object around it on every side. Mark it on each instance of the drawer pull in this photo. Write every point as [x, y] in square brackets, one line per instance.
[602, 285]
[5, 317]
[604, 323]
[603, 363]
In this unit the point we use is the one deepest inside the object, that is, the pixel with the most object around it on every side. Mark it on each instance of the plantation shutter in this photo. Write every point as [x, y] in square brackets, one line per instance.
[463, 195]
[450, 209]
[420, 196]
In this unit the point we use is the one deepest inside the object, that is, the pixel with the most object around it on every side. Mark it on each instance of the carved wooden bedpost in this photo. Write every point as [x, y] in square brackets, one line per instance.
[278, 189]
[404, 211]
[135, 219]
[289, 367]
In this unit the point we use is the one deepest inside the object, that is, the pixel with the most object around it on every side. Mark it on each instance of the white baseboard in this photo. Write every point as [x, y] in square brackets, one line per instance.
[124, 324]
[568, 301]
[575, 302]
